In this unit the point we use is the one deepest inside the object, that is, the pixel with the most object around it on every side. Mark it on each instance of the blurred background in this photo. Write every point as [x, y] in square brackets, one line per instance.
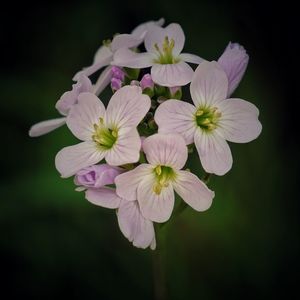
[55, 244]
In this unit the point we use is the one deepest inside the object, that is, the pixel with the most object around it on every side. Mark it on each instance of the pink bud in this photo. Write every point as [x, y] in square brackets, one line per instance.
[174, 89]
[97, 176]
[118, 73]
[115, 84]
[147, 82]
[234, 61]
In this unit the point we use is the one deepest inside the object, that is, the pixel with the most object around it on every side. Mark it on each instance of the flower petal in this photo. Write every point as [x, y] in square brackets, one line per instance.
[170, 75]
[174, 116]
[46, 127]
[209, 84]
[214, 152]
[127, 183]
[191, 58]
[103, 81]
[99, 63]
[126, 150]
[84, 115]
[127, 107]
[166, 149]
[234, 62]
[70, 160]
[68, 99]
[127, 58]
[125, 41]
[134, 226]
[193, 191]
[104, 53]
[105, 197]
[157, 208]
[143, 28]
[239, 122]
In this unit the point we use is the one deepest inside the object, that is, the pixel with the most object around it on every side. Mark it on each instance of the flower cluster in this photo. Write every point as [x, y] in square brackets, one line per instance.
[132, 154]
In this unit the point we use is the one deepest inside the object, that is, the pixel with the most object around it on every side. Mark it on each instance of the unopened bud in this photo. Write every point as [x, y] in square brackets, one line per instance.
[118, 73]
[115, 84]
[147, 82]
[175, 92]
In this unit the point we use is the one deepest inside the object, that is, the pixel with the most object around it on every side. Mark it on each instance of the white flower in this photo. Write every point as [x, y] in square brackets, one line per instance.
[153, 184]
[212, 119]
[164, 46]
[109, 134]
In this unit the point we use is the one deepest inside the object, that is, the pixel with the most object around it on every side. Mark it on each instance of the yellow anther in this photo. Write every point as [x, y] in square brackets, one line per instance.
[172, 44]
[114, 134]
[205, 121]
[158, 170]
[95, 127]
[199, 113]
[211, 126]
[157, 188]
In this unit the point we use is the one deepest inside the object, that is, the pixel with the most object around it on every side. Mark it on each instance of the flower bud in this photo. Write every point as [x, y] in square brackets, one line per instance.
[147, 82]
[118, 73]
[175, 92]
[115, 84]
[97, 176]
[234, 62]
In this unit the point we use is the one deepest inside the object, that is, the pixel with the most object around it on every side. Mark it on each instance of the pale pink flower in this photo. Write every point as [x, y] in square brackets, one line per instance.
[109, 134]
[63, 105]
[212, 119]
[153, 184]
[164, 46]
[234, 61]
[104, 54]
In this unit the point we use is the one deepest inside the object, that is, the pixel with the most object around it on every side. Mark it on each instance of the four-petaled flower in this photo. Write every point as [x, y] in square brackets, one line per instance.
[109, 134]
[212, 119]
[153, 183]
[164, 46]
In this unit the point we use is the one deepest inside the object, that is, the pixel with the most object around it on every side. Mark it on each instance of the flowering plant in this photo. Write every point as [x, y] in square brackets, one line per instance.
[133, 153]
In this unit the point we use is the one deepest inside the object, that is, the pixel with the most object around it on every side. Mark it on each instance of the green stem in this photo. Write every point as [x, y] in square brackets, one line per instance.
[159, 272]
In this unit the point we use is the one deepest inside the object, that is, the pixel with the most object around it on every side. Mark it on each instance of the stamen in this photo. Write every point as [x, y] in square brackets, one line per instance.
[207, 118]
[199, 112]
[158, 170]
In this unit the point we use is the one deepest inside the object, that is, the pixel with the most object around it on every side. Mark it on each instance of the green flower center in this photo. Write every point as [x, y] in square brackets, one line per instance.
[104, 137]
[165, 53]
[207, 118]
[163, 175]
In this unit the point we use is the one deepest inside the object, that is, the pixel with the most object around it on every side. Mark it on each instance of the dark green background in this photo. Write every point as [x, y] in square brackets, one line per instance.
[54, 243]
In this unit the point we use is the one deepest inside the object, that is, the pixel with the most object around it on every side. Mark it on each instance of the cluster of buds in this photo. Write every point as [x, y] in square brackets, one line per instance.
[132, 154]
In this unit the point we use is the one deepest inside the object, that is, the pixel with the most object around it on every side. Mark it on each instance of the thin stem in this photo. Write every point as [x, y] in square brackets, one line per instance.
[159, 272]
